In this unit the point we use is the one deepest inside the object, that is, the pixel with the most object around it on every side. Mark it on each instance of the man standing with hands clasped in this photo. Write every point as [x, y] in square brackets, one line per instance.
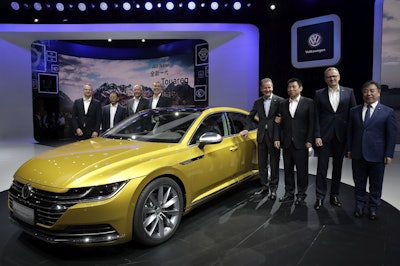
[267, 108]
[332, 106]
[86, 115]
[370, 143]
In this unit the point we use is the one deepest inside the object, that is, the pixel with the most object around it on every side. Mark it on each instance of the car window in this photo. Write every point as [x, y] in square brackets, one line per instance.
[215, 123]
[154, 126]
[237, 122]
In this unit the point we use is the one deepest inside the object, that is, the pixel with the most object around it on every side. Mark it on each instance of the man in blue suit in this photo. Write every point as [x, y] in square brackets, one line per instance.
[371, 142]
[332, 106]
[113, 112]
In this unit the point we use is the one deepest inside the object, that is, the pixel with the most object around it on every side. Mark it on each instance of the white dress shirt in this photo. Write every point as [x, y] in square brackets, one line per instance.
[293, 105]
[334, 97]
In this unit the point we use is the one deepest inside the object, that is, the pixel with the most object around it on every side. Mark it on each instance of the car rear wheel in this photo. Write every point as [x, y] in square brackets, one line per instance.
[158, 212]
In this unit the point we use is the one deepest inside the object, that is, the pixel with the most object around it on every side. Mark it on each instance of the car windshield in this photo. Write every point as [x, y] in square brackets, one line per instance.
[155, 125]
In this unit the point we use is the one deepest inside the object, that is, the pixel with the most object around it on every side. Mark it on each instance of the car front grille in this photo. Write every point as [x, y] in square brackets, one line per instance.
[48, 206]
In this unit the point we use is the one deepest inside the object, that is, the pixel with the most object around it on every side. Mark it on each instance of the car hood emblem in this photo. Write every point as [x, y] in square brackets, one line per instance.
[26, 191]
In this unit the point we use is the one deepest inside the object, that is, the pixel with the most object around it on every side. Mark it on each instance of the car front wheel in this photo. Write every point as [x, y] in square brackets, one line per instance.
[158, 212]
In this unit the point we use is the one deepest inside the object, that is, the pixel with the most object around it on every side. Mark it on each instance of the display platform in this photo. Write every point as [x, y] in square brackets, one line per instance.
[236, 229]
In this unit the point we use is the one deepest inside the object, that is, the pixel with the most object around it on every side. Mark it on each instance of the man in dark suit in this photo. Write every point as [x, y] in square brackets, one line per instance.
[332, 106]
[266, 107]
[138, 102]
[371, 142]
[86, 115]
[113, 112]
[295, 135]
[158, 100]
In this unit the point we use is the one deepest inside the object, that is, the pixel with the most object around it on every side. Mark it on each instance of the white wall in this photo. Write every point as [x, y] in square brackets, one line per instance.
[233, 62]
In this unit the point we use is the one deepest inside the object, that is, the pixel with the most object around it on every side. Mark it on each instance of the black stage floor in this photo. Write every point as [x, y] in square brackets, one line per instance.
[236, 229]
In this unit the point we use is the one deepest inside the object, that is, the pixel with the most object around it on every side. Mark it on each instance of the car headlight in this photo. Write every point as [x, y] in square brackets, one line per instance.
[96, 193]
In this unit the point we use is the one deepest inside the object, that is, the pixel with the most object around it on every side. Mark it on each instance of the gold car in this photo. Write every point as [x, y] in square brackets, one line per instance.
[136, 180]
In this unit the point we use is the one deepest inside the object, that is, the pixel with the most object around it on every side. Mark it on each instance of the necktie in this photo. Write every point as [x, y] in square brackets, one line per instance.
[367, 114]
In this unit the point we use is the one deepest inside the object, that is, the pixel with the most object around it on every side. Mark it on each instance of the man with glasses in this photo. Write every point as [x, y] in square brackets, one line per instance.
[332, 105]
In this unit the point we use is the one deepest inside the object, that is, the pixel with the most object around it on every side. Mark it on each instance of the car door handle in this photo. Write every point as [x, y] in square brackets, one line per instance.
[234, 148]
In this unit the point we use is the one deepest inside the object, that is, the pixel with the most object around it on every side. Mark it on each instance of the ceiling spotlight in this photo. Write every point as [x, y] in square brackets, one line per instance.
[109, 40]
[126, 6]
[37, 6]
[272, 7]
[15, 6]
[148, 6]
[170, 5]
[81, 6]
[191, 5]
[60, 6]
[103, 6]
[36, 20]
[159, 5]
[214, 5]
[237, 5]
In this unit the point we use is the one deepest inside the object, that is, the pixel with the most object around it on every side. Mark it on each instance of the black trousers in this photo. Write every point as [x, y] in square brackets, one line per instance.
[268, 155]
[336, 149]
[298, 158]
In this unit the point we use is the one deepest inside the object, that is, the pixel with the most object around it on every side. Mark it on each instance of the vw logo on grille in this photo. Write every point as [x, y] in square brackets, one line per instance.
[314, 40]
[26, 191]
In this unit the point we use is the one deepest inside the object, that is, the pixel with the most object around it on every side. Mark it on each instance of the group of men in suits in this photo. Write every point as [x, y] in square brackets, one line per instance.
[89, 118]
[333, 125]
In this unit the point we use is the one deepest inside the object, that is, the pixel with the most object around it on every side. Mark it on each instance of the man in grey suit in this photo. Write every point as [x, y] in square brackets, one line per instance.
[267, 109]
[295, 135]
[138, 102]
[332, 105]
[371, 142]
[86, 115]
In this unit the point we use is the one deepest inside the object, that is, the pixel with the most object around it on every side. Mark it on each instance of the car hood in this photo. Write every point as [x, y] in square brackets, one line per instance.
[92, 162]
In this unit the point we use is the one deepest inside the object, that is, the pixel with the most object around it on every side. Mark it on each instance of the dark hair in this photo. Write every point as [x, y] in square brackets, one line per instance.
[115, 92]
[295, 80]
[371, 82]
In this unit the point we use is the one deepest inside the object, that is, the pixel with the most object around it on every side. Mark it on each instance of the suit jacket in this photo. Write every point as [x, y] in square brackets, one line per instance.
[329, 123]
[375, 140]
[162, 102]
[300, 128]
[90, 121]
[258, 108]
[119, 116]
[143, 105]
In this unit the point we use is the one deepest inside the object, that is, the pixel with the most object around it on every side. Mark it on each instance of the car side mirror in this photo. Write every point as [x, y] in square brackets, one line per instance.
[209, 138]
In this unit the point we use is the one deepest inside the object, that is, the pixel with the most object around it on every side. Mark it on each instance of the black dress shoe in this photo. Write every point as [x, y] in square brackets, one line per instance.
[299, 201]
[263, 191]
[372, 215]
[273, 195]
[335, 201]
[318, 204]
[358, 213]
[286, 198]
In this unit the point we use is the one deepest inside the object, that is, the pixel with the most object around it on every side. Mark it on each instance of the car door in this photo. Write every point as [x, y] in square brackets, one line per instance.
[215, 167]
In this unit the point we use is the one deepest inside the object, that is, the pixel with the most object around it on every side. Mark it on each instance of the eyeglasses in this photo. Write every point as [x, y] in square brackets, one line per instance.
[332, 77]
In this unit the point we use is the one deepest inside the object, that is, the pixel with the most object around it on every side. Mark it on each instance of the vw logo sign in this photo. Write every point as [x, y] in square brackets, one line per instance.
[26, 191]
[200, 93]
[203, 54]
[314, 40]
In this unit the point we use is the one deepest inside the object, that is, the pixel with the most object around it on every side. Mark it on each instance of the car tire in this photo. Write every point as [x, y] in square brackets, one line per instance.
[158, 212]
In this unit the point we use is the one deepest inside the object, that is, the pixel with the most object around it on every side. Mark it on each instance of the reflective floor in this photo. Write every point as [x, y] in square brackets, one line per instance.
[236, 229]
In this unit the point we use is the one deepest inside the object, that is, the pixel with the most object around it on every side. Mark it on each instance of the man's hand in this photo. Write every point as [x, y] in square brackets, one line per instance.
[244, 133]
[318, 142]
[277, 144]
[79, 132]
